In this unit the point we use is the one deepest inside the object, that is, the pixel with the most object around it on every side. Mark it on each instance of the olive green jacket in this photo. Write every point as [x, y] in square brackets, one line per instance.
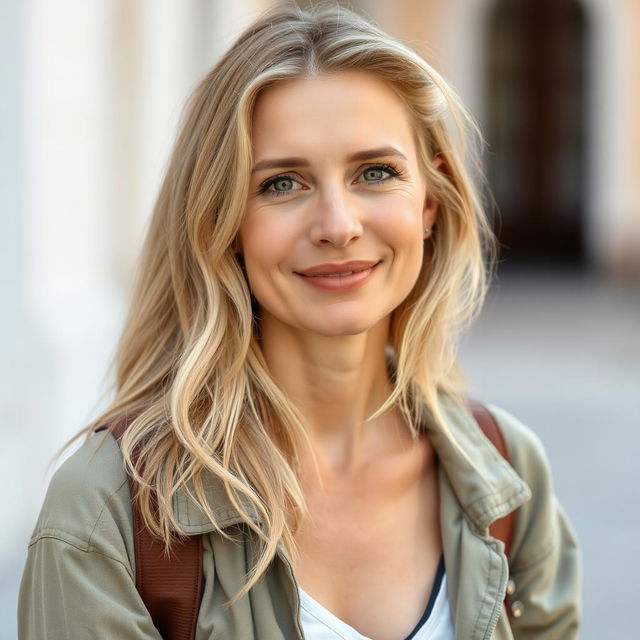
[79, 577]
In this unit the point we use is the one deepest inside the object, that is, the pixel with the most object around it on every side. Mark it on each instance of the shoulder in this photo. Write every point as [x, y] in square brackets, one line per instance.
[542, 527]
[87, 504]
[79, 576]
[545, 561]
[528, 455]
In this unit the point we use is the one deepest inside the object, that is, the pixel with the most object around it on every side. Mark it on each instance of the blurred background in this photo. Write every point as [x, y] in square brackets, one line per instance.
[91, 94]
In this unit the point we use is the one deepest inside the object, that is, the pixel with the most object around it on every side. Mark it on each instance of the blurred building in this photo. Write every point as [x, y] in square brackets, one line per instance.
[556, 89]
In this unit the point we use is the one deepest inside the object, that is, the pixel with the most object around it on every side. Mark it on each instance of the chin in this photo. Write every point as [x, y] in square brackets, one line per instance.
[341, 326]
[336, 332]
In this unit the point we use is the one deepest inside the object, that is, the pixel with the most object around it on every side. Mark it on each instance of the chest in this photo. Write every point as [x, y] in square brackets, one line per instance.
[370, 547]
[476, 576]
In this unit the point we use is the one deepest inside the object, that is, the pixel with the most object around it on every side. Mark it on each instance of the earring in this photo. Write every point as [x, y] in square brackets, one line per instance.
[427, 231]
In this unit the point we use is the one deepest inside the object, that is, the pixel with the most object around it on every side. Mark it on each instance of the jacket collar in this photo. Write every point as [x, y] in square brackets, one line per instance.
[486, 486]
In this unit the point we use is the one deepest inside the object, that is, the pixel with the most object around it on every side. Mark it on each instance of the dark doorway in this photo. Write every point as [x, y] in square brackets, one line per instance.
[536, 128]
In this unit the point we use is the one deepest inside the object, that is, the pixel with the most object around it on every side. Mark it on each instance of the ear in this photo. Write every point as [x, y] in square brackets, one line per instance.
[430, 211]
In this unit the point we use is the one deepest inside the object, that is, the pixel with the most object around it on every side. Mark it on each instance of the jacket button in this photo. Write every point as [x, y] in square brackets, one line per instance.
[511, 587]
[517, 609]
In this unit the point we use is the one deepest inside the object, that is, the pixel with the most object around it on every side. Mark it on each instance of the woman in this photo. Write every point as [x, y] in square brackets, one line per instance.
[288, 372]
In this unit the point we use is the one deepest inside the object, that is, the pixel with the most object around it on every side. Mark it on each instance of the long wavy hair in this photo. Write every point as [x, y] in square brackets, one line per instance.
[189, 371]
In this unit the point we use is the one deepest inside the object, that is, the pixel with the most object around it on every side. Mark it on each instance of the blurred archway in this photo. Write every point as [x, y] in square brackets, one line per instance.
[536, 128]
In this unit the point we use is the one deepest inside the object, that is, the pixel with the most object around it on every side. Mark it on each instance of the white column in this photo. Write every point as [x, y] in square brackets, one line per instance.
[56, 336]
[613, 200]
[163, 48]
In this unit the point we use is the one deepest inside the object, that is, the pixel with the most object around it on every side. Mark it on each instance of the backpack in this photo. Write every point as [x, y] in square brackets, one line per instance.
[171, 587]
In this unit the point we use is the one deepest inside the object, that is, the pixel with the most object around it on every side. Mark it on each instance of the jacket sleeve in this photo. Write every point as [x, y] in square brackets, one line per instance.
[545, 561]
[79, 578]
[68, 591]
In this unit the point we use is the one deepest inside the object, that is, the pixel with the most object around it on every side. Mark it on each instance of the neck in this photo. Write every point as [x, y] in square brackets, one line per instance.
[336, 383]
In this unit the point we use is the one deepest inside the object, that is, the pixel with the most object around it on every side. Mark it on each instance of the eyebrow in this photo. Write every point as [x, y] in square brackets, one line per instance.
[367, 154]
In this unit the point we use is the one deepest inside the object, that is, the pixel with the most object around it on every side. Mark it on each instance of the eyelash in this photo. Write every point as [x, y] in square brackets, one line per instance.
[389, 168]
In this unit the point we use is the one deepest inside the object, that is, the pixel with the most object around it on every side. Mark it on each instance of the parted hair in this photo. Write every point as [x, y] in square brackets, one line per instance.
[189, 371]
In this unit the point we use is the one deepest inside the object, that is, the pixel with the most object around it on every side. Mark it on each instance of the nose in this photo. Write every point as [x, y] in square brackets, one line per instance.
[337, 219]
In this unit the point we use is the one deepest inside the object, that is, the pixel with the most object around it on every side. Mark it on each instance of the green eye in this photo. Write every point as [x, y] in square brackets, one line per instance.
[282, 185]
[377, 171]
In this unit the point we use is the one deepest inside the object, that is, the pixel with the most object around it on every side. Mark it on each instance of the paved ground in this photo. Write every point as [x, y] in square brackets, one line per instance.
[562, 352]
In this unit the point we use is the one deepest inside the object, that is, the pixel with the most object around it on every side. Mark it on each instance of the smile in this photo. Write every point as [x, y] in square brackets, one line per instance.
[340, 277]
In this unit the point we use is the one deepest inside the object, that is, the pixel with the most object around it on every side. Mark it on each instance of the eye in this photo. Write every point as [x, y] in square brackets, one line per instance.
[282, 185]
[376, 173]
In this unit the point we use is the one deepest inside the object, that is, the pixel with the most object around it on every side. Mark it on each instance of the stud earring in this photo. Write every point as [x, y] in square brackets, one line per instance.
[427, 230]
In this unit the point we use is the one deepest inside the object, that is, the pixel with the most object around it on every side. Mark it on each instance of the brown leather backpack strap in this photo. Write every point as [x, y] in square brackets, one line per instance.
[170, 586]
[503, 528]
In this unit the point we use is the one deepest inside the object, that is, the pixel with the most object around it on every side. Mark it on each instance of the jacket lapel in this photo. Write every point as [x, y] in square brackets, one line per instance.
[477, 486]
[485, 484]
[477, 570]
[193, 519]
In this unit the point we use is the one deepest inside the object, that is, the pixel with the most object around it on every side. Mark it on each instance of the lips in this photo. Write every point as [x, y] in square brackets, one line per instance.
[336, 270]
[339, 277]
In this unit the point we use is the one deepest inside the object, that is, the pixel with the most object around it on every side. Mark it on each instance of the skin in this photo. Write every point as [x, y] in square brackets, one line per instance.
[326, 349]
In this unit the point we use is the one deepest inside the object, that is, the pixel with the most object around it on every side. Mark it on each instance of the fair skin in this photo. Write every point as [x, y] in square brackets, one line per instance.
[370, 548]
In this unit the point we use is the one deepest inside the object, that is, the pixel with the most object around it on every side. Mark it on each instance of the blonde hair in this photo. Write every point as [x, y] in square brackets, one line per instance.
[189, 370]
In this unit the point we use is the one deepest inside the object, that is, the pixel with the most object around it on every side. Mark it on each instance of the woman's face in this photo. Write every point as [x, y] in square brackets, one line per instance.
[333, 232]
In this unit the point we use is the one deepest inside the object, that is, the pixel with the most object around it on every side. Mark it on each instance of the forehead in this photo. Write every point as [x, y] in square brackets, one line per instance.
[347, 108]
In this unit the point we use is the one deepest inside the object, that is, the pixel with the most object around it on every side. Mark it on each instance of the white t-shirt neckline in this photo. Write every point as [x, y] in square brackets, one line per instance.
[319, 623]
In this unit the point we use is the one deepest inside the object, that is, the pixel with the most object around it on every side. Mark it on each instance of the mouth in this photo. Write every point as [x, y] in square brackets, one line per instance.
[343, 277]
[338, 270]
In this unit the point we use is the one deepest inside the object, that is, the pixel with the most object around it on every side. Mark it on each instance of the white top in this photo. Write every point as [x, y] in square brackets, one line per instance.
[436, 623]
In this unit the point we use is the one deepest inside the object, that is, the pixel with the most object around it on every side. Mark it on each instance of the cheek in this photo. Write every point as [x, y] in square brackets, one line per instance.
[400, 225]
[266, 245]
[402, 232]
